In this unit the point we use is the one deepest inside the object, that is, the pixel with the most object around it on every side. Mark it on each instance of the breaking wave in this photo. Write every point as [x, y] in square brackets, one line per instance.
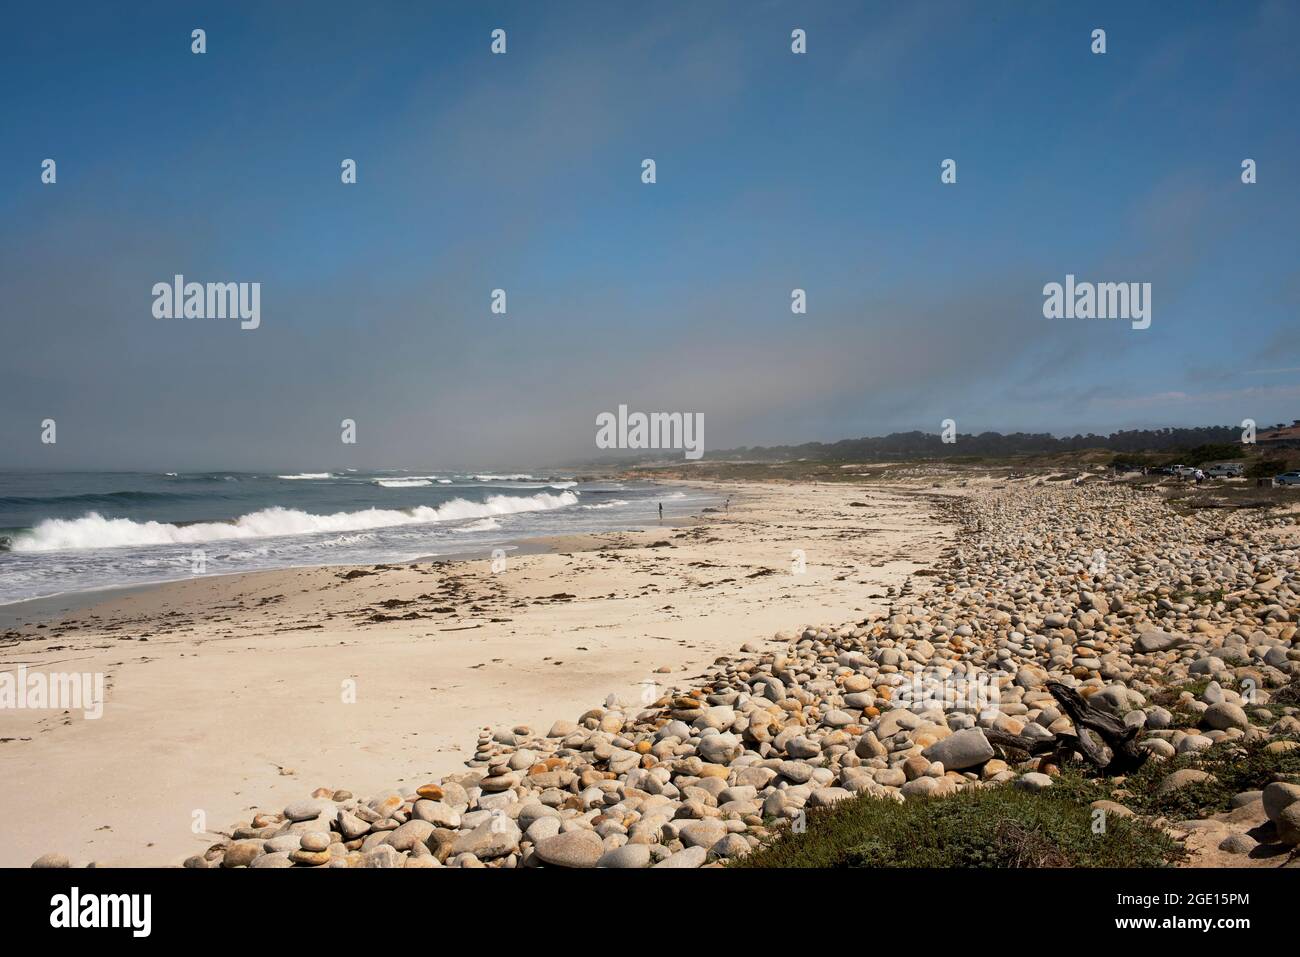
[92, 530]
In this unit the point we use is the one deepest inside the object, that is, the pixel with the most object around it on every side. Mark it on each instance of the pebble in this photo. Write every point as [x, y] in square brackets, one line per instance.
[308, 810]
[272, 860]
[1182, 778]
[627, 856]
[241, 853]
[690, 857]
[572, 849]
[703, 833]
[1033, 781]
[495, 837]
[308, 858]
[436, 813]
[313, 841]
[408, 835]
[1238, 843]
[385, 855]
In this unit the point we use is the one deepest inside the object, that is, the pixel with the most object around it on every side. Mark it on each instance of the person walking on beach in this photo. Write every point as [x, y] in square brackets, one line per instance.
[661, 511]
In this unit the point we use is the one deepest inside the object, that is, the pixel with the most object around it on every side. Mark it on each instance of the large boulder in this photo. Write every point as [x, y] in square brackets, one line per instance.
[1224, 715]
[1288, 825]
[962, 749]
[1278, 796]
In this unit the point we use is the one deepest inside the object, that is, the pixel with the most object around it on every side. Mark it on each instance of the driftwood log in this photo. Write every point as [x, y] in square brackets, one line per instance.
[1118, 754]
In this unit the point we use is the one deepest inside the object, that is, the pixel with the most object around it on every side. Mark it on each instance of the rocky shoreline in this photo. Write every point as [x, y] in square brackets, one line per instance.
[1183, 626]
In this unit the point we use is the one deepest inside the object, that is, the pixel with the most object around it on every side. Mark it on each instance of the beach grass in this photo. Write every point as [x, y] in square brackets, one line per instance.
[995, 827]
[1008, 827]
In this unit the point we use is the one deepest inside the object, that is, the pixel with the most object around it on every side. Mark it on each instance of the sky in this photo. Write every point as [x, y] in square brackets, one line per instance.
[523, 172]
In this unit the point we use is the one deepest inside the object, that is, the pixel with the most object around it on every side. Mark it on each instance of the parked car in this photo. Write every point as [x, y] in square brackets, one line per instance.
[1184, 471]
[1231, 470]
[1287, 478]
[1163, 470]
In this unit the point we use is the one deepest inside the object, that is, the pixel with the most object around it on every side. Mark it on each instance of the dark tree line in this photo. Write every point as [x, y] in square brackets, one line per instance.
[925, 444]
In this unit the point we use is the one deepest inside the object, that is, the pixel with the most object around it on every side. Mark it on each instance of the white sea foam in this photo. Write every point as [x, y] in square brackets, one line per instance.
[518, 477]
[482, 525]
[92, 530]
[402, 483]
[612, 504]
[308, 475]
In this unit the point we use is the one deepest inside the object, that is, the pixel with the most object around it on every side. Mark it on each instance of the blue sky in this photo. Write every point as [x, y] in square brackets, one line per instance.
[522, 172]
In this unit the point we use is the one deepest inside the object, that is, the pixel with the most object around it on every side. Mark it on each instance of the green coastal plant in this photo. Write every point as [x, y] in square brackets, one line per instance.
[994, 827]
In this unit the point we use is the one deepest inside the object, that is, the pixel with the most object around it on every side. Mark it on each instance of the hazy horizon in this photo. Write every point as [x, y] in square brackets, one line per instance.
[611, 459]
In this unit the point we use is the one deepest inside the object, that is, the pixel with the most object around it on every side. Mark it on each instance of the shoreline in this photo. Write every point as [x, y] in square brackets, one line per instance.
[30, 611]
[236, 693]
[239, 751]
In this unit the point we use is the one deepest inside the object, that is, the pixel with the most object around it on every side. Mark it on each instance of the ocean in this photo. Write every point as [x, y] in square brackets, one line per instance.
[63, 532]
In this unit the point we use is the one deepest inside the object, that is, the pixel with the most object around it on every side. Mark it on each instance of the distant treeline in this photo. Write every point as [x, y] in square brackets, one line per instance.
[929, 445]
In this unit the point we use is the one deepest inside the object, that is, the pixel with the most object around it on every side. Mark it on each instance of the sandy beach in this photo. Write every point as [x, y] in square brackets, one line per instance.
[223, 692]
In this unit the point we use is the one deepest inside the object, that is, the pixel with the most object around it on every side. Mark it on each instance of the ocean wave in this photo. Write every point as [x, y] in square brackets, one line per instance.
[614, 504]
[517, 477]
[203, 477]
[92, 530]
[94, 498]
[402, 483]
[307, 475]
[482, 525]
